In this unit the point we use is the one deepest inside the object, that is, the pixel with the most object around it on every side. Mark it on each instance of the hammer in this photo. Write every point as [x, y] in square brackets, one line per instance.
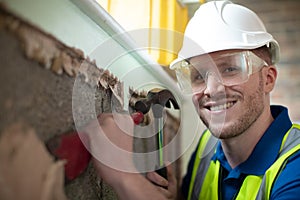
[157, 99]
[69, 146]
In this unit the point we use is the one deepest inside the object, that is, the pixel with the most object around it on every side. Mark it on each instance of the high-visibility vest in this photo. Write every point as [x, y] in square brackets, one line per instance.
[205, 175]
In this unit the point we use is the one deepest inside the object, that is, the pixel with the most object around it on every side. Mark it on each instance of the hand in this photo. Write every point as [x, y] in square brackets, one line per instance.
[162, 183]
[111, 145]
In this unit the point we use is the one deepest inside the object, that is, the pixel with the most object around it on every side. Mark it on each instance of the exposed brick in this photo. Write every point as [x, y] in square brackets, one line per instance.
[282, 20]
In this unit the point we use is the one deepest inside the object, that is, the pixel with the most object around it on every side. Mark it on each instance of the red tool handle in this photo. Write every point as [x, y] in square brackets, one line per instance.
[138, 117]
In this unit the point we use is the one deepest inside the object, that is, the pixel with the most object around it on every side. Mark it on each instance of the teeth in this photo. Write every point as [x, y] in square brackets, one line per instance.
[221, 107]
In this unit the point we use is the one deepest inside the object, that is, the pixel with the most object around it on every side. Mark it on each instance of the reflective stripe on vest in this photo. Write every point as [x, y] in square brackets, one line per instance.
[205, 175]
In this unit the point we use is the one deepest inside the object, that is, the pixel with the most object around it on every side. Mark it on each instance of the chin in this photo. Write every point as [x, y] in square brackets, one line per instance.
[220, 128]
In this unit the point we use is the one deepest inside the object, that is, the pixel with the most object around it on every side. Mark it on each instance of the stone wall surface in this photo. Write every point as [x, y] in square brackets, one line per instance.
[37, 81]
[38, 95]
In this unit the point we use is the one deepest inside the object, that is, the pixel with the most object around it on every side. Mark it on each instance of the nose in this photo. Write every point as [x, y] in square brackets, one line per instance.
[213, 85]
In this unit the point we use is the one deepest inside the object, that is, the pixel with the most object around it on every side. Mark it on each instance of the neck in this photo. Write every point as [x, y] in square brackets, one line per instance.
[239, 148]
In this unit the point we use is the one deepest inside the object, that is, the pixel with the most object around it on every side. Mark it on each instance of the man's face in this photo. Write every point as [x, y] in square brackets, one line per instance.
[230, 110]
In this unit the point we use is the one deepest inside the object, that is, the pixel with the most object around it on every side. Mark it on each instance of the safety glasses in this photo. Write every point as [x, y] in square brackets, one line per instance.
[227, 69]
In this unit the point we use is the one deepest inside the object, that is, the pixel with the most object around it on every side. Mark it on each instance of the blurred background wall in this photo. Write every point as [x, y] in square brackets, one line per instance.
[282, 19]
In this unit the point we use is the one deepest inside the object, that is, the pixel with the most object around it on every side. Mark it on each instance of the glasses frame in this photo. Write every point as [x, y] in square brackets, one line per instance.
[183, 68]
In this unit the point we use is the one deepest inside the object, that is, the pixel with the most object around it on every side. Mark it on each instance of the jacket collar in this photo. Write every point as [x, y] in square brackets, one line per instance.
[265, 152]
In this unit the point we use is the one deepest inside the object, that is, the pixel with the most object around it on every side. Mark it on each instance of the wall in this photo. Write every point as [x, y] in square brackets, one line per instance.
[282, 20]
[36, 86]
[41, 59]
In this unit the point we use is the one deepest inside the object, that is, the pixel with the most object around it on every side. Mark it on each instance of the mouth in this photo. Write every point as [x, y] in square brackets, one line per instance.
[220, 107]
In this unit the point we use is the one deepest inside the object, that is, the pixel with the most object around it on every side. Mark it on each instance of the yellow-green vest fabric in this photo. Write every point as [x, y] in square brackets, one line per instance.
[205, 175]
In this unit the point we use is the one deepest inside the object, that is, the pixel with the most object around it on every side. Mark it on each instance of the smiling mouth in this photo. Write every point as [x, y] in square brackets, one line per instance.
[221, 107]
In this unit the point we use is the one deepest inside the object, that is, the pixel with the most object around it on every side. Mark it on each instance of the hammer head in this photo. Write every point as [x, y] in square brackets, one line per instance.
[158, 97]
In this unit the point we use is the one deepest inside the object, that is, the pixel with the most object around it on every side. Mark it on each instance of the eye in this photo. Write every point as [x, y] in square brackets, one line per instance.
[197, 77]
[231, 70]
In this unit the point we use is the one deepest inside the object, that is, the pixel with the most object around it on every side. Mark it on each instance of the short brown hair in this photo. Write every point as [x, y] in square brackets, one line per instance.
[264, 53]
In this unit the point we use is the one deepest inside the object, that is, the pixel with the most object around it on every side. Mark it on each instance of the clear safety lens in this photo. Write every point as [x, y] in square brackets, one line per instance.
[227, 69]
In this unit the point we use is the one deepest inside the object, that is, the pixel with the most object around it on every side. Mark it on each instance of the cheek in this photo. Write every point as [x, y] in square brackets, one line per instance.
[254, 82]
[196, 99]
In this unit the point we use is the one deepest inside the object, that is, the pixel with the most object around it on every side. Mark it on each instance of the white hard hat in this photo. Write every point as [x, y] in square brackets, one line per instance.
[223, 25]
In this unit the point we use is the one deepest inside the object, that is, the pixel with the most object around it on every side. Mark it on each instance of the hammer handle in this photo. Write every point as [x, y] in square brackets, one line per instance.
[162, 172]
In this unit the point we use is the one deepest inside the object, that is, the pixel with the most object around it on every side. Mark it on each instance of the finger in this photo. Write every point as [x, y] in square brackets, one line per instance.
[110, 142]
[157, 179]
[167, 193]
[170, 174]
[116, 129]
[172, 188]
[161, 184]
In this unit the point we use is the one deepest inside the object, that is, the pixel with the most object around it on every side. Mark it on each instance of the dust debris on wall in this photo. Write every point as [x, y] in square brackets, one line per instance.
[38, 74]
[19, 150]
[54, 55]
[36, 82]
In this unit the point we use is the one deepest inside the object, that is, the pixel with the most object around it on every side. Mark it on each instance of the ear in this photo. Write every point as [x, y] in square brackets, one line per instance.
[270, 73]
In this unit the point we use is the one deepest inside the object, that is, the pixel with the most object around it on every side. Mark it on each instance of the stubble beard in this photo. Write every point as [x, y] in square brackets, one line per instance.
[254, 107]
